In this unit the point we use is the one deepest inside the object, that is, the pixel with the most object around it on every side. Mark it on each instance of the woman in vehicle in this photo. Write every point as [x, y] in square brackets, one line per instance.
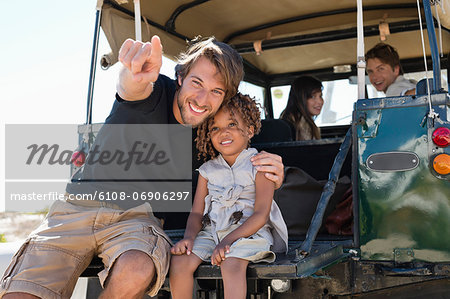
[304, 104]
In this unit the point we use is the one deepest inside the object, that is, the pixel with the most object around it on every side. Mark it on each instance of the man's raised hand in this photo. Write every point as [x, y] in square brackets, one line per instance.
[143, 60]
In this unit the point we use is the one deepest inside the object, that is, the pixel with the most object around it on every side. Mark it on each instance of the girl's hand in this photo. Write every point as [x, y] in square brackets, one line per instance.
[218, 254]
[183, 246]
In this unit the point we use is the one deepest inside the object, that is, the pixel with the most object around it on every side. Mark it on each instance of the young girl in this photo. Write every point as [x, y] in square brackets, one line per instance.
[304, 104]
[233, 219]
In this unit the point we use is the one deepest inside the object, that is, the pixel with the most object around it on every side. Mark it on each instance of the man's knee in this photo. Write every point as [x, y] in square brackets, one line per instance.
[134, 266]
[19, 296]
[132, 274]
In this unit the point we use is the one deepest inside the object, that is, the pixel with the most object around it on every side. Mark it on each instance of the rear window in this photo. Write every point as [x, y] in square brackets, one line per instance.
[339, 97]
[255, 91]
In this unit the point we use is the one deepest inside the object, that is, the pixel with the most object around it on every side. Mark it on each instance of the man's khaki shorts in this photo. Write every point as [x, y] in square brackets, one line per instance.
[50, 261]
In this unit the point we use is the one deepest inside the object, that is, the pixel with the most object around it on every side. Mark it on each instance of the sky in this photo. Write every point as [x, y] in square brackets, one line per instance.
[46, 51]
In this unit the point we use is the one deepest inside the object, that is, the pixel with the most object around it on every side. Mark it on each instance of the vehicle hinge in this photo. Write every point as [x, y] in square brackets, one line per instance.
[403, 255]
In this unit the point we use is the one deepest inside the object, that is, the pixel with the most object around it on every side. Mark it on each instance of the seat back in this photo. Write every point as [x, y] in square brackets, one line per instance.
[274, 130]
[421, 86]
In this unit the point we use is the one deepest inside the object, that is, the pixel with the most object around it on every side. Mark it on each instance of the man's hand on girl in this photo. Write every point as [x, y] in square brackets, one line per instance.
[272, 165]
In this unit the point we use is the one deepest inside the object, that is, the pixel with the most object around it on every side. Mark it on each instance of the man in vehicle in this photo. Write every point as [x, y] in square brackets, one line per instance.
[386, 73]
[132, 245]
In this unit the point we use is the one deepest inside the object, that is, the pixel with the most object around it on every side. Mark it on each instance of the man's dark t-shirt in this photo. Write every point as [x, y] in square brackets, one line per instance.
[156, 109]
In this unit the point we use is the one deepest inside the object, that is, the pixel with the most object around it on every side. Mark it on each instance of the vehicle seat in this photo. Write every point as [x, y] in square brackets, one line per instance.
[421, 86]
[274, 130]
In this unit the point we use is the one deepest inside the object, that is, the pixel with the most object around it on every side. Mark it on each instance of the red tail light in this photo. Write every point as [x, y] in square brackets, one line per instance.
[441, 136]
[78, 158]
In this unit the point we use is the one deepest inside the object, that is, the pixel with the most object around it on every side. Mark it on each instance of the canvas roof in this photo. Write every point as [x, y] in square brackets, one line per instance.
[296, 35]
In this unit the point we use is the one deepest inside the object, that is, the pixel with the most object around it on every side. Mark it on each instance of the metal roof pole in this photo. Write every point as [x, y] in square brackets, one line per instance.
[137, 20]
[93, 62]
[360, 61]
[433, 45]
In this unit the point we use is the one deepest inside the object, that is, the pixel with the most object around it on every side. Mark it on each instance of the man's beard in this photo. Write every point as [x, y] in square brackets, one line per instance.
[184, 112]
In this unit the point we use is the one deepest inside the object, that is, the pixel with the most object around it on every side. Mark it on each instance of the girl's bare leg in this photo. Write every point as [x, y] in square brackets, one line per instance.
[181, 275]
[234, 276]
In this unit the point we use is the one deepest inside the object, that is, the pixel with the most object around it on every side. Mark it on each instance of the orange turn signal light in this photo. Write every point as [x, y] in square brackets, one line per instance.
[441, 164]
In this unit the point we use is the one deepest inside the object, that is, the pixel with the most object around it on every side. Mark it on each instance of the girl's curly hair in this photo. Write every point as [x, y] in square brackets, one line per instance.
[247, 108]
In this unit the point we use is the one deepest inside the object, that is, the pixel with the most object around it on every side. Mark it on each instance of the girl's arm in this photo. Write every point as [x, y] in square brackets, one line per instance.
[263, 203]
[194, 222]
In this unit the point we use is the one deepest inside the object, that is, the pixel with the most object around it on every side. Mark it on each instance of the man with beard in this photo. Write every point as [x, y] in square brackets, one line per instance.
[131, 242]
